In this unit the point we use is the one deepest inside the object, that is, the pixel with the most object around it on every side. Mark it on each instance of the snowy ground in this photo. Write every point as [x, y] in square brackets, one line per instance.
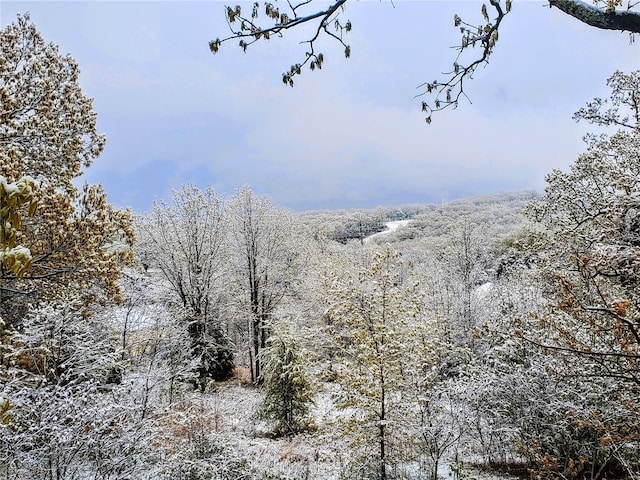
[391, 227]
[305, 456]
[316, 455]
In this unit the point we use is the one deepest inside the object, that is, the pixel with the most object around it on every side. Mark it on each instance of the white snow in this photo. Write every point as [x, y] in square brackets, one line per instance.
[391, 227]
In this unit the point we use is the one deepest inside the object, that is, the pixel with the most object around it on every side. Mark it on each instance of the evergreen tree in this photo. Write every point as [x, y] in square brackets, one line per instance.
[289, 391]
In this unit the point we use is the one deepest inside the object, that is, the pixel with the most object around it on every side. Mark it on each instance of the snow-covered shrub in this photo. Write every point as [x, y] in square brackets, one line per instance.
[190, 448]
[64, 418]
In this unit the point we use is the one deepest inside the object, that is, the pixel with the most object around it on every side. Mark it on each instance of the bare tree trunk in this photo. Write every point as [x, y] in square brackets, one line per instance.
[250, 350]
[256, 350]
[383, 460]
[383, 417]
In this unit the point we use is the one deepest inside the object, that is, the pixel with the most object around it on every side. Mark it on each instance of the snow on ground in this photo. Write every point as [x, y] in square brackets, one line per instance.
[300, 456]
[391, 227]
[319, 454]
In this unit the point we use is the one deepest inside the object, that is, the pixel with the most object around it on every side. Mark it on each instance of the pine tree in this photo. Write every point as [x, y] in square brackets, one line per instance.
[289, 390]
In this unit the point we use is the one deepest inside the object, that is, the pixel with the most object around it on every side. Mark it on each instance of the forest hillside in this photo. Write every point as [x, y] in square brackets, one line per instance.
[222, 337]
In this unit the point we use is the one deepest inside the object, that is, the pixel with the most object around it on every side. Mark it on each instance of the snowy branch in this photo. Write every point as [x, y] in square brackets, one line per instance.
[628, 21]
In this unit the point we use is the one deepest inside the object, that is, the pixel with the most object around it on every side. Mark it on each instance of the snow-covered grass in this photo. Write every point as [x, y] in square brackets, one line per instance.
[226, 413]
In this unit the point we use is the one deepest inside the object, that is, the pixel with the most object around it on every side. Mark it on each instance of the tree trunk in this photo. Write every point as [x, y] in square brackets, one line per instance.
[382, 438]
[256, 349]
[383, 460]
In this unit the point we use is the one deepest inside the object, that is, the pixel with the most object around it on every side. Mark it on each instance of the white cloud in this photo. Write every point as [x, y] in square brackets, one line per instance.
[351, 134]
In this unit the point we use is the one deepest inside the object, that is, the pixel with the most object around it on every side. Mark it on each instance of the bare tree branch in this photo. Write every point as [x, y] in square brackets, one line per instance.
[250, 31]
[448, 92]
[442, 93]
[622, 109]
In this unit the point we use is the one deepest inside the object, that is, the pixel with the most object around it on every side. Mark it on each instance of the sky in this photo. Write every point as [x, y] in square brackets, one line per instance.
[351, 135]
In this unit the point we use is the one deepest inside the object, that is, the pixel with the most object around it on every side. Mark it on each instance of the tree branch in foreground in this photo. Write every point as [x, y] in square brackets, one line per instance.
[609, 19]
[250, 31]
[443, 93]
[448, 92]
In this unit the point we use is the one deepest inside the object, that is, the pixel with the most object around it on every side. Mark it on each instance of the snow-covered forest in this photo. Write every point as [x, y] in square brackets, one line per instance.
[221, 337]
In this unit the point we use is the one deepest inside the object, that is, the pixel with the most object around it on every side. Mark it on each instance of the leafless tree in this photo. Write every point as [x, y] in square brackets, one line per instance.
[266, 266]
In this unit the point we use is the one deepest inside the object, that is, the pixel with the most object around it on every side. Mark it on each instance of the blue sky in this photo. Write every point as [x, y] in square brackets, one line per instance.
[350, 135]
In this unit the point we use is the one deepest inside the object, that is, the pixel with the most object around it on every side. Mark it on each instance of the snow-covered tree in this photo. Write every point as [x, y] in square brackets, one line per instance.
[154, 348]
[48, 124]
[59, 422]
[590, 259]
[266, 265]
[591, 215]
[288, 388]
[185, 241]
[56, 359]
[386, 347]
[77, 240]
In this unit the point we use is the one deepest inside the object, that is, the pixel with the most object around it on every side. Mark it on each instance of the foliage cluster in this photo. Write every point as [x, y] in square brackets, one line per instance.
[77, 241]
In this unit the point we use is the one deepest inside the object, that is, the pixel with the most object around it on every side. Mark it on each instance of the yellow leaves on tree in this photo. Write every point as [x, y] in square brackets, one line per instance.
[48, 125]
[15, 197]
[76, 242]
